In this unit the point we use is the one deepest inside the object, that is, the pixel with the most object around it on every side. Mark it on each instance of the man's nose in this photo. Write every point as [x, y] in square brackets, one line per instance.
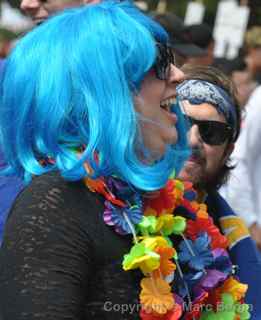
[194, 137]
[176, 75]
[29, 5]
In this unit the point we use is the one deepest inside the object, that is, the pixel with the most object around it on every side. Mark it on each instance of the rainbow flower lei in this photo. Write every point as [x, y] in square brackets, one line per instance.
[181, 253]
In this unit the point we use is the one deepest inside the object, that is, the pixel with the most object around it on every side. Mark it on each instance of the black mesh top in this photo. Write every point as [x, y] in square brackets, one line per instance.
[60, 261]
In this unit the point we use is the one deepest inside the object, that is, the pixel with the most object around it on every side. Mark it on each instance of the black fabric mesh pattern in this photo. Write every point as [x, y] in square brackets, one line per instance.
[60, 261]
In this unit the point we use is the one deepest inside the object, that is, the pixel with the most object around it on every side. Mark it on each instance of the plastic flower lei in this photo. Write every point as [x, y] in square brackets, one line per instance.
[181, 253]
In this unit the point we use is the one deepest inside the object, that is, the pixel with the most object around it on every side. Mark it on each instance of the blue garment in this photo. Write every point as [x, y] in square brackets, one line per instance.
[243, 251]
[9, 187]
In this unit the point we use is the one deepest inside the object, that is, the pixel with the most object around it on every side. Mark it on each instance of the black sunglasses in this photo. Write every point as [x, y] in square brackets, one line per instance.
[212, 132]
[163, 62]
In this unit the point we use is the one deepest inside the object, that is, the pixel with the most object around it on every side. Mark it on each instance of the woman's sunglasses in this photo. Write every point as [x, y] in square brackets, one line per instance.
[212, 132]
[165, 58]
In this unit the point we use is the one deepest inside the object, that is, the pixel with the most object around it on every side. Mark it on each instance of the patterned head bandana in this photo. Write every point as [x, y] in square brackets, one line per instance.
[198, 91]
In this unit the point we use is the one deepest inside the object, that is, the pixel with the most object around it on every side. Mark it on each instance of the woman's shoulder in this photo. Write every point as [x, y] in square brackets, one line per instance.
[51, 201]
[59, 208]
[51, 191]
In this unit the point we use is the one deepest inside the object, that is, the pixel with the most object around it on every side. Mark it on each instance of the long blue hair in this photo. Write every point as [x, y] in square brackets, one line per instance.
[69, 84]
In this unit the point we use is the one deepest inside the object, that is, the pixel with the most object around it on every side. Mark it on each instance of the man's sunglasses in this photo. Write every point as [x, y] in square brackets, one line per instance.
[212, 132]
[165, 58]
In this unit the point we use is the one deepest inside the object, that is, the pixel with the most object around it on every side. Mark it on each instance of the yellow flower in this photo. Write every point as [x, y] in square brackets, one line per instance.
[165, 223]
[154, 242]
[156, 295]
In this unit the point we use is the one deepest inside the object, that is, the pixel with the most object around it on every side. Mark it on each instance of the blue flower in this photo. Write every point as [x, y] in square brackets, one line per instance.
[190, 279]
[196, 253]
[121, 218]
[190, 195]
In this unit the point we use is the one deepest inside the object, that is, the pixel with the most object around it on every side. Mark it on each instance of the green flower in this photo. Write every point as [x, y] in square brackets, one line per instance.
[148, 225]
[141, 257]
[227, 310]
[179, 225]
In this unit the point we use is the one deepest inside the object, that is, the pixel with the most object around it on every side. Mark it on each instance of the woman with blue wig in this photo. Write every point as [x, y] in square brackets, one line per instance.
[85, 111]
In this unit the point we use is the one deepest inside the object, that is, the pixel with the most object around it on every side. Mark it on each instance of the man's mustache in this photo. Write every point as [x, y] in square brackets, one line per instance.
[196, 153]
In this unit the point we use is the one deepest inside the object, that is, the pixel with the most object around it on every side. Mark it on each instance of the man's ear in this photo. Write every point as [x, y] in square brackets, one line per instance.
[91, 1]
[229, 149]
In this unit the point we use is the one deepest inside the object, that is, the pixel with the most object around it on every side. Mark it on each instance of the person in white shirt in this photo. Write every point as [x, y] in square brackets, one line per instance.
[243, 189]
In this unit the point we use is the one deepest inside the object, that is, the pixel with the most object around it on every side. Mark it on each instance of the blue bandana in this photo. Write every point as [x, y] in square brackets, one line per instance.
[198, 91]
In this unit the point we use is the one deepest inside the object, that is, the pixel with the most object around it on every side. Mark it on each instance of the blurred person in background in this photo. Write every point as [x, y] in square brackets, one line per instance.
[201, 35]
[243, 80]
[243, 189]
[40, 10]
[253, 48]
[180, 40]
[9, 186]
[209, 101]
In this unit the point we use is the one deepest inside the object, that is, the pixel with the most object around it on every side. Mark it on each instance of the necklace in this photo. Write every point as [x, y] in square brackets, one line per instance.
[181, 253]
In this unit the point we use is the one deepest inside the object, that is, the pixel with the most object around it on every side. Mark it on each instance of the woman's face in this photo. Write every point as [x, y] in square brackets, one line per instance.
[153, 104]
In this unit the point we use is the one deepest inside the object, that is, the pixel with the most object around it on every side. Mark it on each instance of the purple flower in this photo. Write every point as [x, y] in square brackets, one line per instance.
[210, 280]
[121, 218]
[222, 261]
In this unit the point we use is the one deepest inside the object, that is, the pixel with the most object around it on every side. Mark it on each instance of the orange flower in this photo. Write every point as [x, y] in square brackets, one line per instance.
[234, 287]
[156, 295]
[99, 186]
[166, 265]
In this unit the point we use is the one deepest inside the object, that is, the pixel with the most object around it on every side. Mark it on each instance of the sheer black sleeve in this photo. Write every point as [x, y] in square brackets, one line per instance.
[47, 255]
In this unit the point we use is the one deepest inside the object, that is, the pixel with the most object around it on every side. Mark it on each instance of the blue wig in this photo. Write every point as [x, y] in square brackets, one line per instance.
[69, 84]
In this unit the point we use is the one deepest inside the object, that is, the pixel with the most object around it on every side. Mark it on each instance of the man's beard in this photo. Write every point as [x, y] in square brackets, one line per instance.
[194, 170]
